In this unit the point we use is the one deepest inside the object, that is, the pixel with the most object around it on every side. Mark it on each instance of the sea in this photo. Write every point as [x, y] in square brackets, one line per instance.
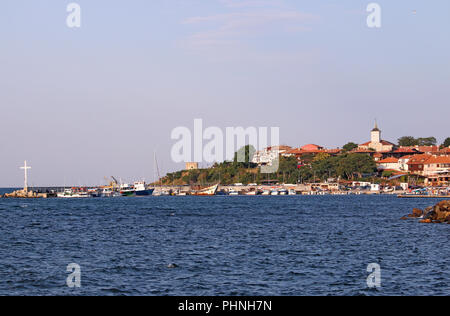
[242, 245]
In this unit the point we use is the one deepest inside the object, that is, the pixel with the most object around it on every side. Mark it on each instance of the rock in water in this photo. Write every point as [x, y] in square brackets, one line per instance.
[440, 213]
[417, 212]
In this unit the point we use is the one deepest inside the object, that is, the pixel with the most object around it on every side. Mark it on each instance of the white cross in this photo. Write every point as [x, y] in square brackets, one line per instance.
[25, 168]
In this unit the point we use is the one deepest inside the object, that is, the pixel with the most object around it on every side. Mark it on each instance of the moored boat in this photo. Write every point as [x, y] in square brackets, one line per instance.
[140, 189]
[74, 193]
[127, 190]
[209, 191]
[109, 192]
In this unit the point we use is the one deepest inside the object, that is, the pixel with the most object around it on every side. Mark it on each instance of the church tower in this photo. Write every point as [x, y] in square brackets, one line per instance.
[375, 135]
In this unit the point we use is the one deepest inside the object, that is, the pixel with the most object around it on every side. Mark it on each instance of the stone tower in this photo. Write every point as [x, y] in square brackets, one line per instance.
[375, 135]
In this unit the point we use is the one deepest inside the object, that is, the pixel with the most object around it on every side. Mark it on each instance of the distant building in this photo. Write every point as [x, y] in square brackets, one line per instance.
[266, 156]
[416, 163]
[403, 163]
[312, 148]
[376, 144]
[191, 165]
[445, 151]
[389, 164]
[437, 164]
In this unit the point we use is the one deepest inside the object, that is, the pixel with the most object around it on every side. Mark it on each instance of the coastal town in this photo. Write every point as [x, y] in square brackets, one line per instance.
[430, 163]
[375, 167]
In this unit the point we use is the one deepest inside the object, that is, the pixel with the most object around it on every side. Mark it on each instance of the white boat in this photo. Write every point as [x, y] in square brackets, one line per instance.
[140, 189]
[266, 192]
[94, 192]
[209, 191]
[108, 192]
[127, 190]
[73, 194]
[274, 192]
[292, 192]
[233, 192]
[283, 192]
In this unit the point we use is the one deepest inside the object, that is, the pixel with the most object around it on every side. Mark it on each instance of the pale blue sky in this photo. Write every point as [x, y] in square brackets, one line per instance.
[97, 101]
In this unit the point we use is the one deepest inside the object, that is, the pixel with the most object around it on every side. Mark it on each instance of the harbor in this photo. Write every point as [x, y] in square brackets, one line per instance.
[331, 186]
[141, 189]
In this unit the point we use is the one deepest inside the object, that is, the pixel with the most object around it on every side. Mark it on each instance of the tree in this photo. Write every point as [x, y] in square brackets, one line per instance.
[421, 141]
[427, 141]
[321, 156]
[446, 142]
[350, 146]
[351, 164]
[243, 157]
[407, 141]
[288, 164]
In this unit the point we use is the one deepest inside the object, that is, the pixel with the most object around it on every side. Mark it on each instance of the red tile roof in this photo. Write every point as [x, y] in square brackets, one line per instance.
[438, 160]
[384, 142]
[389, 160]
[428, 149]
[363, 151]
[419, 159]
[300, 151]
[311, 147]
[406, 150]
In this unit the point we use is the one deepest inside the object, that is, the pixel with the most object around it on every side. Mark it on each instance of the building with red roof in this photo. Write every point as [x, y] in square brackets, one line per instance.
[437, 170]
[312, 147]
[390, 163]
[376, 144]
[416, 164]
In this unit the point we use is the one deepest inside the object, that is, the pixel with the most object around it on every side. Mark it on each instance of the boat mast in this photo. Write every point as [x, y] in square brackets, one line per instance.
[157, 170]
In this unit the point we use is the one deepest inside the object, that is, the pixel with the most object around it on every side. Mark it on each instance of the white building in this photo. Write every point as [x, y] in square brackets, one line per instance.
[376, 143]
[403, 163]
[266, 156]
[389, 164]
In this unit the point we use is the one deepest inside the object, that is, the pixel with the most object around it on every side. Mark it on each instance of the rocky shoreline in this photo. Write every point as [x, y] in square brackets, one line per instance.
[438, 214]
[24, 194]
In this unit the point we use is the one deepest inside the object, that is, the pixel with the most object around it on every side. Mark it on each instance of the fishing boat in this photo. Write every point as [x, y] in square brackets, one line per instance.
[94, 192]
[74, 193]
[140, 189]
[109, 192]
[126, 190]
[208, 191]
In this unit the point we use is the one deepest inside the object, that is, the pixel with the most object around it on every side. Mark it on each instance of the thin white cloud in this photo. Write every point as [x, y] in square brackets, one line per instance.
[251, 3]
[248, 18]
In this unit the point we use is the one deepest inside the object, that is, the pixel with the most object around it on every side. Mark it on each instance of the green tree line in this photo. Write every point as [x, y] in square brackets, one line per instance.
[349, 166]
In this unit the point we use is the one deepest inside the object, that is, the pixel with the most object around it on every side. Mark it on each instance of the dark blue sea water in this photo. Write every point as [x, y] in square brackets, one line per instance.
[299, 245]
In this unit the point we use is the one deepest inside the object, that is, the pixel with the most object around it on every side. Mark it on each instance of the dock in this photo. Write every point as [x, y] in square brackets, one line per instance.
[422, 196]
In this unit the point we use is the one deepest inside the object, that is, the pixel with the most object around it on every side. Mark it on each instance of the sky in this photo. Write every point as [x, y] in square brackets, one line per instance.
[81, 104]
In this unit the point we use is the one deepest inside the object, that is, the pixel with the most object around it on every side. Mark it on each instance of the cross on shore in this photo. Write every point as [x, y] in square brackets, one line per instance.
[25, 168]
